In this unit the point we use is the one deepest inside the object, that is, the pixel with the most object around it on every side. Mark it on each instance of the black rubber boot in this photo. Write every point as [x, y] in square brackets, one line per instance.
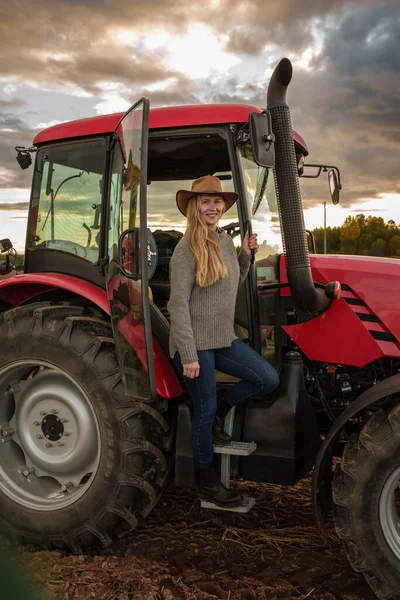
[220, 436]
[211, 489]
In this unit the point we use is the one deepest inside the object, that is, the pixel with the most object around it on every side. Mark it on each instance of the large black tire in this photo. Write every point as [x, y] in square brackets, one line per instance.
[73, 345]
[367, 502]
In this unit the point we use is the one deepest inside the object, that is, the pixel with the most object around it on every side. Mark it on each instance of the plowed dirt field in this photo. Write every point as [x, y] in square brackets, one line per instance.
[184, 552]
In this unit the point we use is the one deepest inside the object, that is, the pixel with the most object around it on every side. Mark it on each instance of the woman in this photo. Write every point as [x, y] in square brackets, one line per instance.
[205, 273]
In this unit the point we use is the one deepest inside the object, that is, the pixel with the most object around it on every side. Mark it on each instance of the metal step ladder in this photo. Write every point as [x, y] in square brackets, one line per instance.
[226, 451]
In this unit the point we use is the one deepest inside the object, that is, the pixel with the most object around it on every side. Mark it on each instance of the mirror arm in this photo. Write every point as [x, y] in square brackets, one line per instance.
[322, 169]
[312, 238]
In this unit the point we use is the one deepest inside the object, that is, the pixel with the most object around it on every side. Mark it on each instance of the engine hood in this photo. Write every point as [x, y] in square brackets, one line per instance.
[373, 280]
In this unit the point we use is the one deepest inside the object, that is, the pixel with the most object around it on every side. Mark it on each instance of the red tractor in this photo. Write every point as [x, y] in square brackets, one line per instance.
[92, 410]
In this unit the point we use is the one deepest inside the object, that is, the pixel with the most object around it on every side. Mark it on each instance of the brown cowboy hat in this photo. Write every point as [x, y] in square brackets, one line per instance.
[209, 184]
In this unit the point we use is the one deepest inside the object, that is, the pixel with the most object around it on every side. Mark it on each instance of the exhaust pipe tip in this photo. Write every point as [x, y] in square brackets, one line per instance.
[279, 82]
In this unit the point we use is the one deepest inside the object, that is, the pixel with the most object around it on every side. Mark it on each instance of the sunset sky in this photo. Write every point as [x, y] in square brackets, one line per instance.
[63, 60]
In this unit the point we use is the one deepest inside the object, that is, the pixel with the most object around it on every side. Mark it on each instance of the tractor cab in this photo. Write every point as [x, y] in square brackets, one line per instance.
[103, 209]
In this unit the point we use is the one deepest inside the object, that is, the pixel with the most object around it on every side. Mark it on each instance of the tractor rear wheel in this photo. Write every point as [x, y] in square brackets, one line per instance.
[80, 462]
[366, 495]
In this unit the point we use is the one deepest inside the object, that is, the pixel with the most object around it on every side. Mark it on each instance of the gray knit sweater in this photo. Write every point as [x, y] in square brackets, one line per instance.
[202, 318]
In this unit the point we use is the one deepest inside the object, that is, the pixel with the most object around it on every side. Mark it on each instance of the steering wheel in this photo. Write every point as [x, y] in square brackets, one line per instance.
[66, 246]
[233, 229]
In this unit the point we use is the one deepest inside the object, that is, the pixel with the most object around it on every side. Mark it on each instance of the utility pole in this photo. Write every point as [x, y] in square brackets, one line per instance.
[325, 227]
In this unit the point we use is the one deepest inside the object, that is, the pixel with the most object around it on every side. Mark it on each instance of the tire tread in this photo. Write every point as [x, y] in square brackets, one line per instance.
[91, 340]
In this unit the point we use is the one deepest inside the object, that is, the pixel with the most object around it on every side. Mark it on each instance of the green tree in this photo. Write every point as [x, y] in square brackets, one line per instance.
[350, 230]
[361, 235]
[393, 248]
[378, 247]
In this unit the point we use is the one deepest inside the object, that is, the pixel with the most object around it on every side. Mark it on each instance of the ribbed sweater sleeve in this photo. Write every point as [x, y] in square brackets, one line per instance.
[244, 260]
[182, 278]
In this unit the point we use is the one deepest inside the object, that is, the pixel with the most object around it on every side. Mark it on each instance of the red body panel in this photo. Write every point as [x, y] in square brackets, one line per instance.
[339, 335]
[160, 118]
[19, 289]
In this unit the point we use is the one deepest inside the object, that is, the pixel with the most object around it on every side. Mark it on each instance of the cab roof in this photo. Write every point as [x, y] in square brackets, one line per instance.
[160, 118]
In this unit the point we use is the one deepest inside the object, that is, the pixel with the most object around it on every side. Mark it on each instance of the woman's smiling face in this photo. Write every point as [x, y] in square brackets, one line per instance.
[211, 209]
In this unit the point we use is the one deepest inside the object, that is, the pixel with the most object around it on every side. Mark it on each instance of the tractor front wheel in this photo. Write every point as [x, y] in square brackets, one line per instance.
[80, 462]
[366, 495]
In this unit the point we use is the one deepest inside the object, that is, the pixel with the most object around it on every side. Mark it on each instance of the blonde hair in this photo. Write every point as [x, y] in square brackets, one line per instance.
[205, 246]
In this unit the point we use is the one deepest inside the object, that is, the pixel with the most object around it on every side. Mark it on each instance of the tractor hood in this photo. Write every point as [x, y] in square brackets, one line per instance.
[373, 281]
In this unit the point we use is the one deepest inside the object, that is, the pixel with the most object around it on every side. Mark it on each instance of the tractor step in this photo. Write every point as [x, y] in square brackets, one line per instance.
[235, 448]
[246, 505]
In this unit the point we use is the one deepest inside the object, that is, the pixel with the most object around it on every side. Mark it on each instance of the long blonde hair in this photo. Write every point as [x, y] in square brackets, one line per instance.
[205, 246]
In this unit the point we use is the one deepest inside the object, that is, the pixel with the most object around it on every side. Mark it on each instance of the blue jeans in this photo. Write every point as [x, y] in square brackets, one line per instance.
[258, 378]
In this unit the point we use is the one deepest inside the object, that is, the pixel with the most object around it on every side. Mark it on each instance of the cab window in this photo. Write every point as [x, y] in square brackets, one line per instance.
[66, 200]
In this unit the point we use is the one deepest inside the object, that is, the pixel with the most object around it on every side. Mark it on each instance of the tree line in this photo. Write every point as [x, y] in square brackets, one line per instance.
[368, 236]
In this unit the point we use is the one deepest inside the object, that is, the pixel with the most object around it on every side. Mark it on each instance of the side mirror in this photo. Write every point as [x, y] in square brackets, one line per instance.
[5, 245]
[262, 139]
[334, 186]
[24, 158]
[129, 253]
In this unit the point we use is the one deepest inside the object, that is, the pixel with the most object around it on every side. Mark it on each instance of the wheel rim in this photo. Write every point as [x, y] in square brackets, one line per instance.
[389, 511]
[50, 439]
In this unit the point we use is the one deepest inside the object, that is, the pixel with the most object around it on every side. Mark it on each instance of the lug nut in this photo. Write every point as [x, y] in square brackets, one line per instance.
[47, 435]
[54, 411]
[43, 412]
[67, 486]
[7, 432]
[64, 420]
[66, 433]
[39, 436]
[49, 445]
[37, 423]
[60, 443]
[26, 471]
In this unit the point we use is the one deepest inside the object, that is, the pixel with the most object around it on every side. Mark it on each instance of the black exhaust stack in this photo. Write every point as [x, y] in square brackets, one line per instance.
[305, 294]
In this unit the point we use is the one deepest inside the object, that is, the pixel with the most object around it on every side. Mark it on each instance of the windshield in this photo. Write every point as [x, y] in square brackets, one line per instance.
[262, 205]
[65, 212]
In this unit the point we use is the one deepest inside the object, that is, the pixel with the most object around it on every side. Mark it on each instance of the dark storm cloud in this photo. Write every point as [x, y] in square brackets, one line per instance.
[13, 103]
[10, 121]
[366, 38]
[87, 70]
[346, 108]
[32, 33]
[74, 44]
[14, 206]
[287, 23]
[246, 40]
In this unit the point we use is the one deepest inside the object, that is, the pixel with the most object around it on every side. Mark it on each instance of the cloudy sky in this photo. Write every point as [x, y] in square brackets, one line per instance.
[63, 60]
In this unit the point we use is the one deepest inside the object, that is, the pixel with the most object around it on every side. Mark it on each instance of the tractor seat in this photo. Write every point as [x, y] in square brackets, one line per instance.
[166, 242]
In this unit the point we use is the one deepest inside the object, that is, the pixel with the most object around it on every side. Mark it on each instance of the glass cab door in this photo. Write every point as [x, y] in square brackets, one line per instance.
[127, 269]
[264, 216]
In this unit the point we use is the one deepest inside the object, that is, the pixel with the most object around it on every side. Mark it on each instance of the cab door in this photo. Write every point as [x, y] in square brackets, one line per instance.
[127, 268]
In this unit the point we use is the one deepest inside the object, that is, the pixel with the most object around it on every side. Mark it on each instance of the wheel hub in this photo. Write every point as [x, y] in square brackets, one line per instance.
[52, 428]
[50, 439]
